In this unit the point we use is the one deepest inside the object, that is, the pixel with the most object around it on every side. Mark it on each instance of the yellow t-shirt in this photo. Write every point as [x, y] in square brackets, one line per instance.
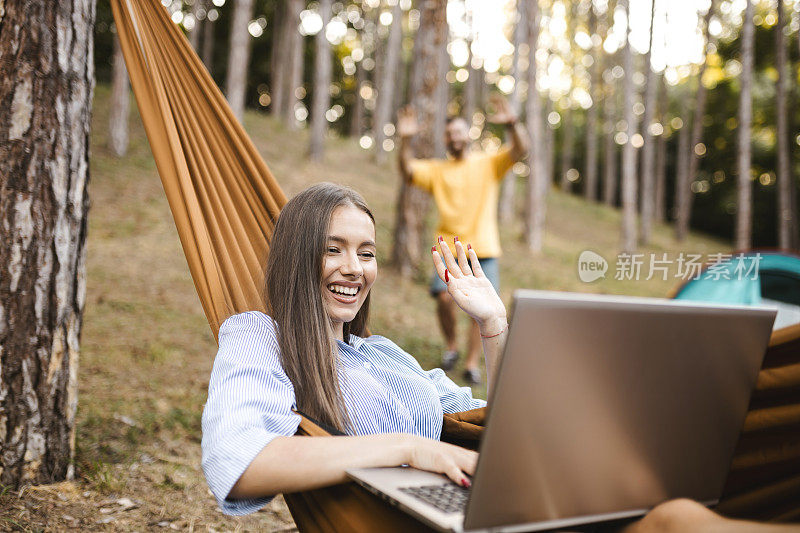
[466, 192]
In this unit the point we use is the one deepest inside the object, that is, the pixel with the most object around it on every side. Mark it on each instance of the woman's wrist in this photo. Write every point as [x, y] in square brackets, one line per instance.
[493, 327]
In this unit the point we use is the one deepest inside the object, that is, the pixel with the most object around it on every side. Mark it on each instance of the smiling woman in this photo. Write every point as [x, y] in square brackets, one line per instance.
[311, 353]
[349, 268]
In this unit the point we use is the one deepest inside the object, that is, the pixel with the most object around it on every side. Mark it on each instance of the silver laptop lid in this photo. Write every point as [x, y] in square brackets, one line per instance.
[606, 406]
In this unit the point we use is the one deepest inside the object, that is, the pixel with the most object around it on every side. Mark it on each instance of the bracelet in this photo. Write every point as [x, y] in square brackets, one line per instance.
[496, 334]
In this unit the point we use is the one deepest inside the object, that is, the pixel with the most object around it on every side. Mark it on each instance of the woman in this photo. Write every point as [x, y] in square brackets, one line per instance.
[309, 353]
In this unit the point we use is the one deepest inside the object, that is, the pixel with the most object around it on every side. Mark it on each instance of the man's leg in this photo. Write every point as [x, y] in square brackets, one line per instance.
[473, 349]
[446, 313]
[472, 372]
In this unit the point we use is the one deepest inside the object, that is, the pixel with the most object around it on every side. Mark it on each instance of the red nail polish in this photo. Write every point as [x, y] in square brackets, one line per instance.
[455, 239]
[446, 276]
[433, 249]
[469, 247]
[440, 238]
[465, 483]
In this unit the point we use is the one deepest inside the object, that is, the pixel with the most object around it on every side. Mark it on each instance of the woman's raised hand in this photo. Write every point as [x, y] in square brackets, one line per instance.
[469, 287]
[435, 456]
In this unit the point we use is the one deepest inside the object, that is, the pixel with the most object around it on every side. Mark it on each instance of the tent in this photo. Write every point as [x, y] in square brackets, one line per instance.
[753, 278]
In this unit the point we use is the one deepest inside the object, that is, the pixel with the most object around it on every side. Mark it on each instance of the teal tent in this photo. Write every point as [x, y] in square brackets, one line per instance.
[753, 278]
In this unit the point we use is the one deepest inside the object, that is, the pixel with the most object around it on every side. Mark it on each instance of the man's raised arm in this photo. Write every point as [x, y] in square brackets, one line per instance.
[506, 116]
[406, 129]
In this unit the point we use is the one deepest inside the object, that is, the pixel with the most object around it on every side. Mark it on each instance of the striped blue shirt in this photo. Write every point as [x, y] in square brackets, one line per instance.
[250, 398]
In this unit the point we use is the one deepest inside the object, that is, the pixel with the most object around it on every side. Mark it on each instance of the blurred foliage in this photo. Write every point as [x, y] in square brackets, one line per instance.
[715, 198]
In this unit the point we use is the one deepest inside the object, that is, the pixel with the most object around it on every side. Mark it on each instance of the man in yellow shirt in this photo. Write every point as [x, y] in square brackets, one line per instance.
[465, 188]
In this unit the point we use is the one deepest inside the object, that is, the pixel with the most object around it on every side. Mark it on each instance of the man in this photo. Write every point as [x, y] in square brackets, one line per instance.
[465, 189]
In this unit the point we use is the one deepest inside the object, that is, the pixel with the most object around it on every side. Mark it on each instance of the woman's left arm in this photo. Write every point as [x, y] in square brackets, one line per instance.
[474, 293]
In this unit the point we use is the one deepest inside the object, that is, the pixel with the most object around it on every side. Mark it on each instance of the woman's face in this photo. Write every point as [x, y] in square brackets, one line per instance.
[349, 267]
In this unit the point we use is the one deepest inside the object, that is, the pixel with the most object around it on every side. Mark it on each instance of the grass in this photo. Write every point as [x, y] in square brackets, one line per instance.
[147, 350]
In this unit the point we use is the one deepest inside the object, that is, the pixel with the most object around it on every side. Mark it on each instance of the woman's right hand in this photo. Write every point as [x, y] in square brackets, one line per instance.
[440, 457]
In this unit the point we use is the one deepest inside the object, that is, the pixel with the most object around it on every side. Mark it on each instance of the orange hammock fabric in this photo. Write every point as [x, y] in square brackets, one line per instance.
[225, 202]
[222, 195]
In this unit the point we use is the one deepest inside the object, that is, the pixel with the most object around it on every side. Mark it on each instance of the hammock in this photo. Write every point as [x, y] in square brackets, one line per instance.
[225, 202]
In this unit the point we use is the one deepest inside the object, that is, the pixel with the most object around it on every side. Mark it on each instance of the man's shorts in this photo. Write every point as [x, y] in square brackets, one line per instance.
[490, 268]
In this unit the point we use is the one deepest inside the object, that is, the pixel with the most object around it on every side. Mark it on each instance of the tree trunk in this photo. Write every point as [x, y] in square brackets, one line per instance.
[294, 71]
[611, 155]
[506, 208]
[239, 56]
[357, 116]
[194, 34]
[539, 181]
[659, 205]
[208, 44]
[684, 211]
[647, 199]
[629, 182]
[744, 213]
[120, 104]
[590, 173]
[321, 99]
[386, 89]
[443, 97]
[46, 86]
[682, 167]
[412, 202]
[470, 87]
[786, 217]
[566, 149]
[278, 64]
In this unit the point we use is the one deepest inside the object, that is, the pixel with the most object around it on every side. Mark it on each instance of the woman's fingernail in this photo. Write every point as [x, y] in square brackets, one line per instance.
[455, 239]
[440, 238]
[469, 247]
[433, 249]
[465, 482]
[446, 276]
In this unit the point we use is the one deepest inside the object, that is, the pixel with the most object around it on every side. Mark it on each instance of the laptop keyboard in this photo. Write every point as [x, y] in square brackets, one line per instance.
[448, 498]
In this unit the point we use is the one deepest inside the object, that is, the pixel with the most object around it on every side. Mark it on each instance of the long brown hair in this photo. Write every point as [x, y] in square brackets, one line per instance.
[293, 297]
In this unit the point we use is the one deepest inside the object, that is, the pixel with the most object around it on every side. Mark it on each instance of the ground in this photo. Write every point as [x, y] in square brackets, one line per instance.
[147, 350]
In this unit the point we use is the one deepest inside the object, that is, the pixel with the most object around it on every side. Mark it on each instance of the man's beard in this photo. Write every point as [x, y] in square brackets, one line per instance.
[456, 149]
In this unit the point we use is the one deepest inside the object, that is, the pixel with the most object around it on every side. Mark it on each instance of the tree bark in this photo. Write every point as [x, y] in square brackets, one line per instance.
[647, 200]
[208, 44]
[278, 64]
[412, 202]
[590, 173]
[629, 182]
[684, 211]
[194, 34]
[357, 116]
[386, 89]
[294, 70]
[119, 105]
[239, 56]
[506, 208]
[321, 98]
[443, 98]
[46, 87]
[539, 181]
[786, 217]
[682, 190]
[567, 145]
[744, 212]
[659, 206]
[611, 155]
[470, 88]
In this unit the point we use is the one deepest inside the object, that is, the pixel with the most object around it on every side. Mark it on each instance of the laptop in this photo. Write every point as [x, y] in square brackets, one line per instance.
[602, 407]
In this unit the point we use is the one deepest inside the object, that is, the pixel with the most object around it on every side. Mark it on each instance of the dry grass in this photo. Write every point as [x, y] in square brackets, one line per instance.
[147, 349]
